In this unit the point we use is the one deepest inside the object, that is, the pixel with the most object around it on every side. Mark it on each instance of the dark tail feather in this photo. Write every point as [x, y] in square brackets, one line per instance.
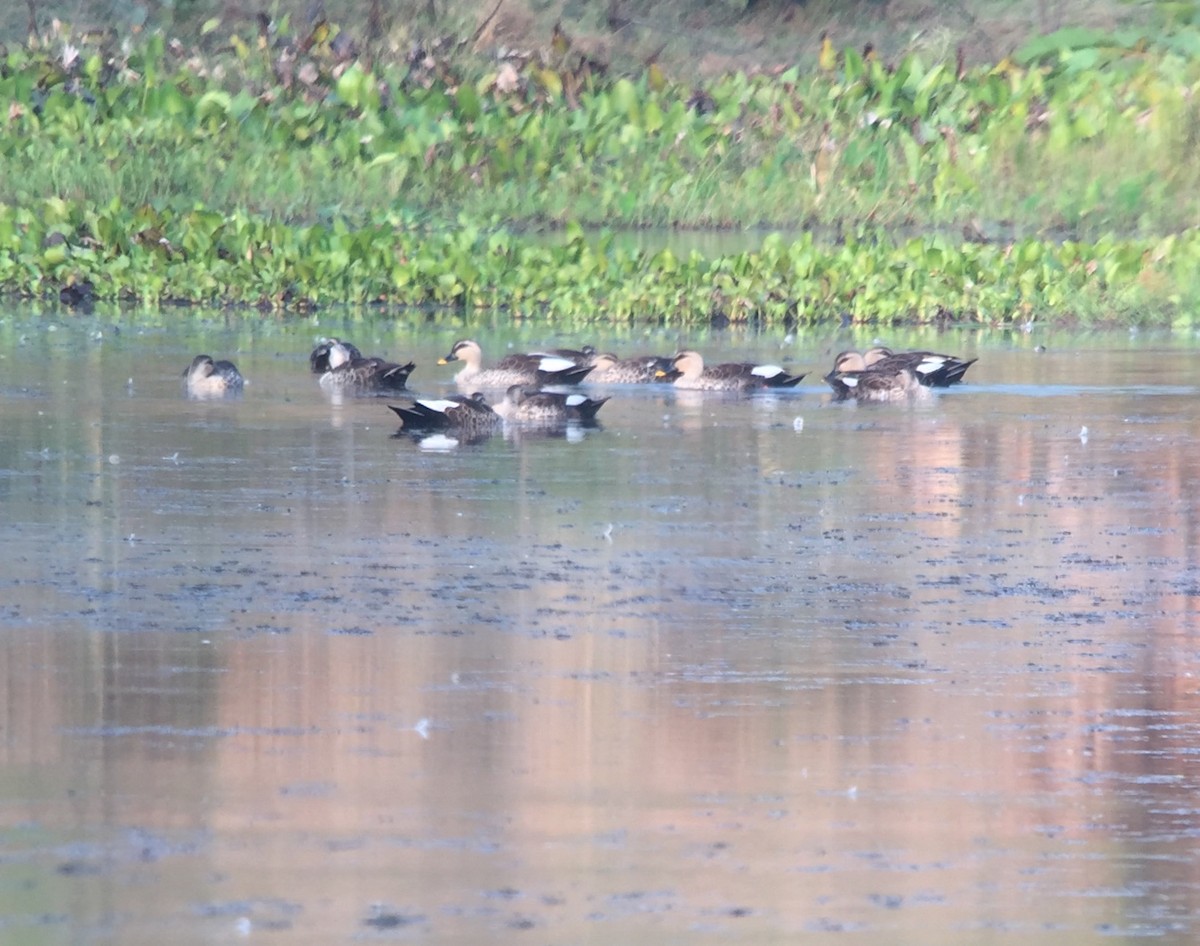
[396, 376]
[587, 410]
[950, 373]
[566, 376]
[411, 416]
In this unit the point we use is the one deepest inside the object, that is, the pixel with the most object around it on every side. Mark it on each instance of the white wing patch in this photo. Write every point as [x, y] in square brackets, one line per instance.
[766, 371]
[554, 363]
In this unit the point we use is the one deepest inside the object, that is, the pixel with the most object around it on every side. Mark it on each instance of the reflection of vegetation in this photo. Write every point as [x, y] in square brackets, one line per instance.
[297, 174]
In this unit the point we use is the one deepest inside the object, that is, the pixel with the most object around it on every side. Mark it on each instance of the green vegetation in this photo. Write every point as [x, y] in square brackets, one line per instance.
[300, 175]
[694, 41]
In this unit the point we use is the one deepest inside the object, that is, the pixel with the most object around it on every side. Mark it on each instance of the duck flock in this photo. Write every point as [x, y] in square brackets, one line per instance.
[541, 388]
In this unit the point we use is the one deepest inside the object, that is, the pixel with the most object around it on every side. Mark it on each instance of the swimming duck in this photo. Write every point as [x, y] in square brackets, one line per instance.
[524, 404]
[469, 415]
[347, 370]
[929, 368]
[318, 361]
[206, 378]
[853, 379]
[533, 369]
[642, 369]
[689, 372]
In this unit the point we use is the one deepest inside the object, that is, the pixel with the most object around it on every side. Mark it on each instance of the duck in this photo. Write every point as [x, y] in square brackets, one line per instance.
[689, 372]
[344, 368]
[641, 369]
[318, 360]
[529, 404]
[853, 379]
[206, 378]
[529, 369]
[467, 415]
[929, 368]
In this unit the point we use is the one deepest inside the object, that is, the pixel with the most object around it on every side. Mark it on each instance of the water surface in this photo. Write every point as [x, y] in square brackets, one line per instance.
[724, 668]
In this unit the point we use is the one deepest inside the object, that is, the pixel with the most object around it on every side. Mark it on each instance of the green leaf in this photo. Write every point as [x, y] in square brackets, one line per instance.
[1044, 47]
[214, 102]
[652, 117]
[470, 106]
[625, 99]
[549, 80]
[53, 255]
[351, 86]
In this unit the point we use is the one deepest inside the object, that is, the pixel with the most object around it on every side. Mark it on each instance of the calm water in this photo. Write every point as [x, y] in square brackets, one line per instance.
[920, 675]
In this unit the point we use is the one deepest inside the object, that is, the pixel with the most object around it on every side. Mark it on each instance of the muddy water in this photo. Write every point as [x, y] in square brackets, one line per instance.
[724, 669]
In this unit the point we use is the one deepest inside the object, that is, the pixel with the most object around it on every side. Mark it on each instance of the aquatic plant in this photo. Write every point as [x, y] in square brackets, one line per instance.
[155, 174]
[203, 257]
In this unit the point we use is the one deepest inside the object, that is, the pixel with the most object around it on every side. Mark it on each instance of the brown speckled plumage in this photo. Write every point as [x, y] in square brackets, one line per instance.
[929, 368]
[853, 379]
[641, 369]
[530, 405]
[529, 369]
[344, 369]
[690, 373]
[206, 378]
[470, 415]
